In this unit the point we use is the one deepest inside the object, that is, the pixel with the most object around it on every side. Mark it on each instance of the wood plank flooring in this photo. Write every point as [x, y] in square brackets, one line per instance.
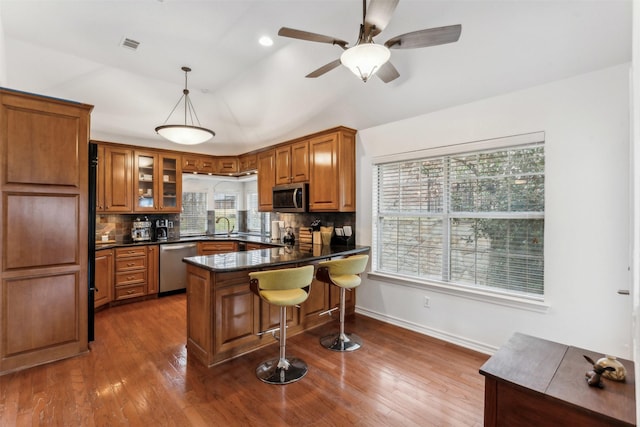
[138, 373]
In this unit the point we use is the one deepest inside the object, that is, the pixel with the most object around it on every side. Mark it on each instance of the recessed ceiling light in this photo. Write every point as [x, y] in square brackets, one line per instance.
[265, 41]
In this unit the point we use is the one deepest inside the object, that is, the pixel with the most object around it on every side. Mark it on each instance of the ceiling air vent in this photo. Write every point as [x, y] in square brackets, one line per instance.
[129, 43]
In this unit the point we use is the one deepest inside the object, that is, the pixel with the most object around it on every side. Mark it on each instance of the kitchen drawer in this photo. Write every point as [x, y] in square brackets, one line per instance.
[131, 291]
[127, 264]
[211, 248]
[130, 278]
[133, 251]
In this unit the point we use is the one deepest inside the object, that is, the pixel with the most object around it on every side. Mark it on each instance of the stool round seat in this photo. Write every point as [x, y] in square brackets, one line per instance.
[345, 274]
[283, 288]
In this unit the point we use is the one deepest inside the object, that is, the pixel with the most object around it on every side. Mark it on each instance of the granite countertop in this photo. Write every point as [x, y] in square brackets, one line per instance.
[238, 237]
[259, 258]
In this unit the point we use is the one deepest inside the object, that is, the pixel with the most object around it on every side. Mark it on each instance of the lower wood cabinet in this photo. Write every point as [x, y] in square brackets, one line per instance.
[104, 278]
[130, 272]
[153, 266]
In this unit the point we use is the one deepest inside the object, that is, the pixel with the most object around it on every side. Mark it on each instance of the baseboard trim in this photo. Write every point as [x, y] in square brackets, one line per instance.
[444, 336]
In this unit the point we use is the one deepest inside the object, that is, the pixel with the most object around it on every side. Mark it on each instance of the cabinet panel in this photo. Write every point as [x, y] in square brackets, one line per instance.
[283, 165]
[235, 317]
[198, 164]
[212, 248]
[227, 165]
[40, 312]
[129, 291]
[248, 163]
[170, 184]
[146, 182]
[33, 154]
[152, 269]
[103, 278]
[40, 230]
[118, 183]
[300, 161]
[266, 180]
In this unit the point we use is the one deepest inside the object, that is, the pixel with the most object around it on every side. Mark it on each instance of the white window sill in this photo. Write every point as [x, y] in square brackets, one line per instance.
[464, 292]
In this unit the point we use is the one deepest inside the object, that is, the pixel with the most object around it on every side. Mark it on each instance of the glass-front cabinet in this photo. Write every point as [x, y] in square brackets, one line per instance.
[158, 183]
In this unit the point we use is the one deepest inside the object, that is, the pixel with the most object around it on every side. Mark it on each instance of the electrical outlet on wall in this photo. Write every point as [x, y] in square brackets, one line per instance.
[427, 302]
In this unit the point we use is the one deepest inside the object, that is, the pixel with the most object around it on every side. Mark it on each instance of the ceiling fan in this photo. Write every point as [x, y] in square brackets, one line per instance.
[367, 58]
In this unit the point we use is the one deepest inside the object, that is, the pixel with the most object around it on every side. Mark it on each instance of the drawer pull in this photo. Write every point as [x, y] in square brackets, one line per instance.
[130, 277]
[130, 264]
[130, 291]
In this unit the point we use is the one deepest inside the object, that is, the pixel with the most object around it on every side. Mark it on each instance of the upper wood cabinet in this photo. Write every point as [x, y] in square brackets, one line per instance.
[227, 165]
[115, 179]
[158, 179]
[292, 163]
[332, 181]
[198, 164]
[248, 163]
[266, 179]
[44, 219]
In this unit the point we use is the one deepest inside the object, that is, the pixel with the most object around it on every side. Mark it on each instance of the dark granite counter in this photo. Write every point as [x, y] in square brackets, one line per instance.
[260, 258]
[236, 237]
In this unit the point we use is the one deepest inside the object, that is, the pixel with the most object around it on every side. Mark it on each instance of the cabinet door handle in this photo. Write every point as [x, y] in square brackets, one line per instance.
[130, 277]
[130, 291]
[130, 264]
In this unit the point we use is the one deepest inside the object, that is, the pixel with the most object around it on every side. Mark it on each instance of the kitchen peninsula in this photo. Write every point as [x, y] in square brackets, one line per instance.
[224, 316]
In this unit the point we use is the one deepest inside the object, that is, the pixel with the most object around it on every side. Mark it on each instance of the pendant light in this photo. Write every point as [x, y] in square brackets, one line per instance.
[185, 134]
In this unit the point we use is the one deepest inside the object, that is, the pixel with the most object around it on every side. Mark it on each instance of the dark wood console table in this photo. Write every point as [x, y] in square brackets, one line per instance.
[535, 382]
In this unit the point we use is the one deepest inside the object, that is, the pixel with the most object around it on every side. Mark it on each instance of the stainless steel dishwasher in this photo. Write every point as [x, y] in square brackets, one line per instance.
[173, 272]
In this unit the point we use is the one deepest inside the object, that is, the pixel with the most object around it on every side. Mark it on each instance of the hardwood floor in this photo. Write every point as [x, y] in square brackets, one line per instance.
[138, 373]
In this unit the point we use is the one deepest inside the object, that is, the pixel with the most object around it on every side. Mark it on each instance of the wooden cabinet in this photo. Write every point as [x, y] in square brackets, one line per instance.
[332, 172]
[158, 183]
[292, 163]
[212, 248]
[266, 179]
[130, 272]
[104, 278]
[114, 181]
[153, 266]
[198, 164]
[248, 163]
[250, 246]
[227, 165]
[44, 218]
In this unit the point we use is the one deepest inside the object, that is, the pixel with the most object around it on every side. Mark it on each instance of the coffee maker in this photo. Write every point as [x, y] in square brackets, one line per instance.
[162, 229]
[141, 229]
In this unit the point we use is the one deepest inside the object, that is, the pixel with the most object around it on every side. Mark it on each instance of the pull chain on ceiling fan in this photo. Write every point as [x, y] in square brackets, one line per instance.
[367, 58]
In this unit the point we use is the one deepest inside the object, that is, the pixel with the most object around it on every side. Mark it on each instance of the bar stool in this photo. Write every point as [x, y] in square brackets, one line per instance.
[343, 273]
[285, 287]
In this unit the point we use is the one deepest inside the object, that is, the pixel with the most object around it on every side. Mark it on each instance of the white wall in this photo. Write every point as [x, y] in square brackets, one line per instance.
[586, 121]
[3, 56]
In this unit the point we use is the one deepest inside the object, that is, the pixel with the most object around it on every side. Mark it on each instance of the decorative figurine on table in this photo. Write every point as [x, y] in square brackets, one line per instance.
[594, 377]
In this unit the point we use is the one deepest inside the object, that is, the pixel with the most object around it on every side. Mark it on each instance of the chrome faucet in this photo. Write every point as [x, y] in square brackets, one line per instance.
[229, 231]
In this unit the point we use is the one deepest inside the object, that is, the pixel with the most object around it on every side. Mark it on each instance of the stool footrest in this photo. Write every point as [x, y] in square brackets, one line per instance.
[278, 371]
[271, 331]
[329, 312]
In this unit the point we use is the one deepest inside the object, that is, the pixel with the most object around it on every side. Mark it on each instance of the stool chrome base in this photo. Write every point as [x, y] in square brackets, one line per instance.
[341, 342]
[279, 371]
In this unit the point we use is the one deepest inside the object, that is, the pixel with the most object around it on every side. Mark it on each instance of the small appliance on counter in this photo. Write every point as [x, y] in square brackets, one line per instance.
[141, 229]
[161, 229]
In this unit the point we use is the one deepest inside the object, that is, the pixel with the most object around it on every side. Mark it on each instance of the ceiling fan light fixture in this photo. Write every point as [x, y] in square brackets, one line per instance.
[185, 134]
[365, 59]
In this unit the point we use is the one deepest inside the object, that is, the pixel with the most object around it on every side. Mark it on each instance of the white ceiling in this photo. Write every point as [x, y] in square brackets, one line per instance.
[253, 96]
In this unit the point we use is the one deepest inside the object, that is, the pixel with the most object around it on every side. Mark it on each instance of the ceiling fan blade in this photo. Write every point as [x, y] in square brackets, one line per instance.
[378, 16]
[387, 72]
[324, 69]
[425, 38]
[312, 37]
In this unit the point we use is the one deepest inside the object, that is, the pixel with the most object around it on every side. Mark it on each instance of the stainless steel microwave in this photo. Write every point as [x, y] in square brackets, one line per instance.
[291, 198]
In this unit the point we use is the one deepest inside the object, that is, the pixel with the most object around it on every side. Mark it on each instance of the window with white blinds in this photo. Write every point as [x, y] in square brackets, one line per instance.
[193, 218]
[225, 205]
[474, 219]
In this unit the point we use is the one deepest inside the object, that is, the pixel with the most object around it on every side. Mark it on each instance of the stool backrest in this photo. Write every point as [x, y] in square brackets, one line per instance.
[284, 278]
[352, 265]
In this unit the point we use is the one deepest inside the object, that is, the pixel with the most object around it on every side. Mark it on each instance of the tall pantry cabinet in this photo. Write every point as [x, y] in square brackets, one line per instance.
[43, 233]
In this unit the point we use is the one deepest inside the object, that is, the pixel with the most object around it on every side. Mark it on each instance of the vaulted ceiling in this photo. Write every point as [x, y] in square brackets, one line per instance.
[253, 96]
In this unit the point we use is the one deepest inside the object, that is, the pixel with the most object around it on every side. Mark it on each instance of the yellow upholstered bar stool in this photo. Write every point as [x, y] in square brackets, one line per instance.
[285, 288]
[343, 273]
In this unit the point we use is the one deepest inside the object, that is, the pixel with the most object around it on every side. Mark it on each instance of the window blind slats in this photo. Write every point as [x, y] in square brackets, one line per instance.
[472, 218]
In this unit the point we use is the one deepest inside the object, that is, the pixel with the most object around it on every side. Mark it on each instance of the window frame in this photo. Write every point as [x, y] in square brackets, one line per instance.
[491, 294]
